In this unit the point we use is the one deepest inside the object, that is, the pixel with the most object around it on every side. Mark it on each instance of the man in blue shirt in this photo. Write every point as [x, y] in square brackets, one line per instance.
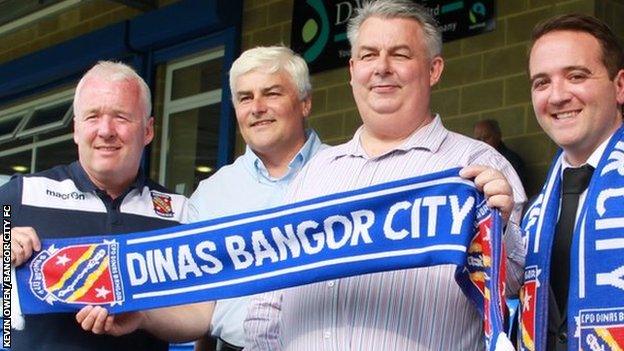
[271, 93]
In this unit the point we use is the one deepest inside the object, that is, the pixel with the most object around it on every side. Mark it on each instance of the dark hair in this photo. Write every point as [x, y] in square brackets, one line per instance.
[492, 124]
[612, 55]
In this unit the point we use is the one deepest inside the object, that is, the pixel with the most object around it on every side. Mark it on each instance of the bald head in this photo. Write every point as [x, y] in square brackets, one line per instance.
[116, 72]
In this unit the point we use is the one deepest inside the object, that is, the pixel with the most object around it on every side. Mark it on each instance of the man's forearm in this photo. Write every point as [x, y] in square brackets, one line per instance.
[179, 323]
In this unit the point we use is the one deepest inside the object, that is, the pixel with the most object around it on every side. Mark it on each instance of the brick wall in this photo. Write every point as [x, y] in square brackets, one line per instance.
[612, 12]
[484, 77]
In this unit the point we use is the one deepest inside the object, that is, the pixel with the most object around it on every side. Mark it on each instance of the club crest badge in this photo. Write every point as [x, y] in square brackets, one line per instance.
[162, 204]
[601, 329]
[78, 274]
[528, 296]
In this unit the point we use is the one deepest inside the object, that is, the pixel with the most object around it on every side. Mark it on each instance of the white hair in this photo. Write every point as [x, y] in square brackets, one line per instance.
[271, 59]
[115, 72]
[397, 9]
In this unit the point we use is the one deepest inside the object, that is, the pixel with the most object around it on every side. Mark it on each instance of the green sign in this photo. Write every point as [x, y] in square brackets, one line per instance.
[319, 27]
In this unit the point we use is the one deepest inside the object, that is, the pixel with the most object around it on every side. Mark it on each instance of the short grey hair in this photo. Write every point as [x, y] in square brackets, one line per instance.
[271, 59]
[397, 9]
[114, 72]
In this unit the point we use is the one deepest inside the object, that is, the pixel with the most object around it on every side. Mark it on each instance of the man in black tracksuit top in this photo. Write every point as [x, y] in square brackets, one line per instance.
[105, 192]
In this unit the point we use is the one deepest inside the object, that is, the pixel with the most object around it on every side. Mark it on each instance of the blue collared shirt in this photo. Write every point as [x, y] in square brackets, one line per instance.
[243, 186]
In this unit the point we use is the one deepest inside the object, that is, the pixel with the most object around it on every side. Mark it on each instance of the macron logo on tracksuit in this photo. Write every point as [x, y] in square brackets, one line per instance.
[73, 195]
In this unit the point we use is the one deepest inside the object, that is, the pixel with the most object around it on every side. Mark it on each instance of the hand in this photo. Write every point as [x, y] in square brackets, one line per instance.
[97, 320]
[24, 241]
[493, 184]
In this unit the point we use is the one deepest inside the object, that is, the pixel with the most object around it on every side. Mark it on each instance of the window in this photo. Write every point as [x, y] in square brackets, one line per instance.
[8, 126]
[191, 120]
[37, 135]
[44, 118]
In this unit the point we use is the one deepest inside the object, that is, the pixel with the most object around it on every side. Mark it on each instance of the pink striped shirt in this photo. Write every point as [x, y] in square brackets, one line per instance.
[413, 309]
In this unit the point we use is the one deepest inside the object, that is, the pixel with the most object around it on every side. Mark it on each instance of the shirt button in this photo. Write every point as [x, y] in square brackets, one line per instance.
[330, 283]
[327, 334]
[562, 337]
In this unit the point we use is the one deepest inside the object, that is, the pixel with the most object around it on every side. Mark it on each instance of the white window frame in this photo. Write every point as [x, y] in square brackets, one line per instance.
[49, 101]
[11, 135]
[34, 146]
[26, 110]
[171, 107]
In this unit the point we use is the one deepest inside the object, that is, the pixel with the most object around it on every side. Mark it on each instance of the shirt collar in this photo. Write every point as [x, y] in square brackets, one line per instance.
[309, 148]
[428, 137]
[84, 183]
[593, 159]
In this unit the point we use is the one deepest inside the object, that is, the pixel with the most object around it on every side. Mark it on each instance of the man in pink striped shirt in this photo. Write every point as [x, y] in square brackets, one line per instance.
[395, 61]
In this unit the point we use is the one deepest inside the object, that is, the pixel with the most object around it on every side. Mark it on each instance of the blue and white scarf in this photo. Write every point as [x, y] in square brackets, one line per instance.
[596, 295]
[431, 220]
